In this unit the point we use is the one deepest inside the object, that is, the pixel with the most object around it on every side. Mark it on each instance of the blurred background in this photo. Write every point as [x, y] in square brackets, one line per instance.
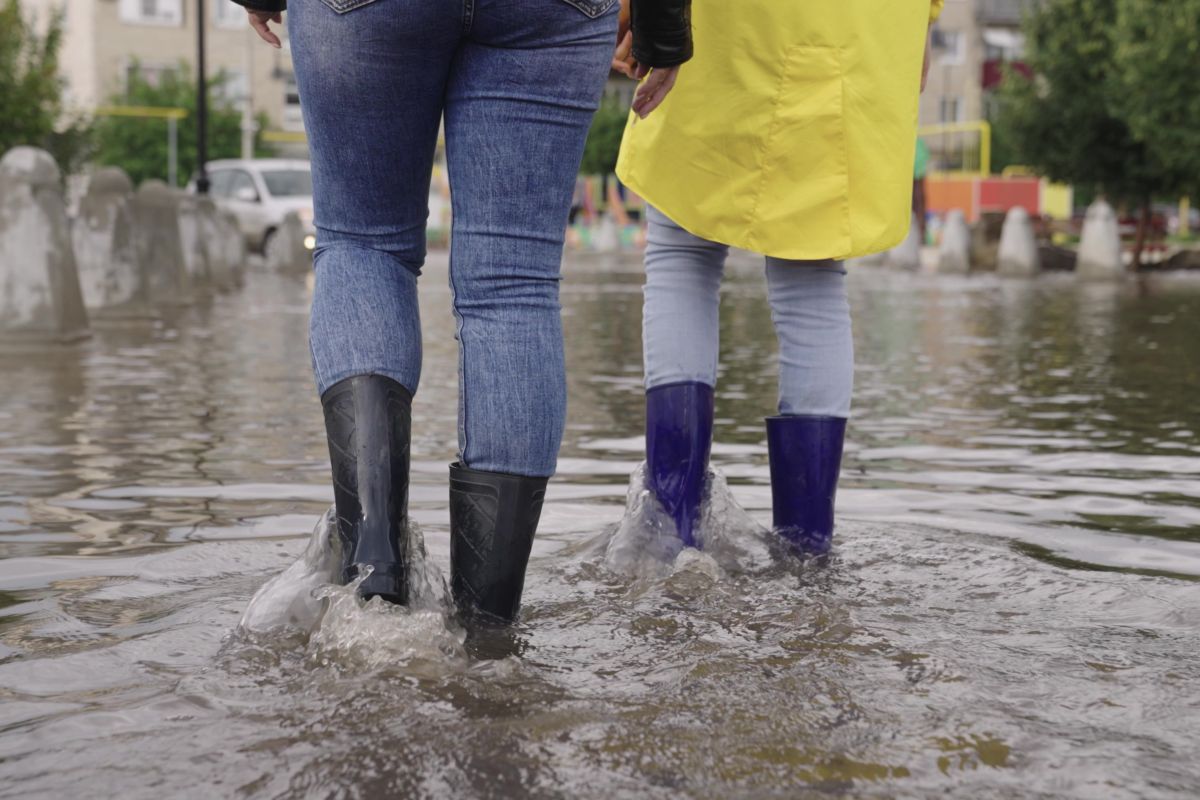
[1042, 106]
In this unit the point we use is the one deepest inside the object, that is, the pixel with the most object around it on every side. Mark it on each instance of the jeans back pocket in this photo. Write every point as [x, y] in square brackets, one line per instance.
[593, 8]
[342, 6]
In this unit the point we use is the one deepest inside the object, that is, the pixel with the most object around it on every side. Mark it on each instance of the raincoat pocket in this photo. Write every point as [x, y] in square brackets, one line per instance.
[342, 6]
[593, 8]
[805, 162]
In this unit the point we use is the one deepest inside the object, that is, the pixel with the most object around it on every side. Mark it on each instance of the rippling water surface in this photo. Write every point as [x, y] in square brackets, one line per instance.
[1012, 609]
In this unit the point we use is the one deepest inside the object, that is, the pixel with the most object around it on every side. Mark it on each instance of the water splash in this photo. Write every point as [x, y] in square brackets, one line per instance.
[304, 600]
[375, 634]
[646, 545]
[290, 601]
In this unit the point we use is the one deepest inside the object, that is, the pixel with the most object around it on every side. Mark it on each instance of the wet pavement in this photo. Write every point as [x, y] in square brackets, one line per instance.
[1012, 609]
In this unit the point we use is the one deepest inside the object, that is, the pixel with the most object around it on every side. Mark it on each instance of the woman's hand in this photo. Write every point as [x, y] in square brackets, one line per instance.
[656, 85]
[623, 61]
[260, 21]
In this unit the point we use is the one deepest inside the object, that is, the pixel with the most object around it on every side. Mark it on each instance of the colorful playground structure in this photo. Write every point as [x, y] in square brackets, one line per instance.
[961, 179]
[975, 195]
[605, 216]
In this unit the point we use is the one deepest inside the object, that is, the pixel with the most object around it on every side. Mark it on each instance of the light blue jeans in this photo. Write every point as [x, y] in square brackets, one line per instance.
[516, 84]
[808, 307]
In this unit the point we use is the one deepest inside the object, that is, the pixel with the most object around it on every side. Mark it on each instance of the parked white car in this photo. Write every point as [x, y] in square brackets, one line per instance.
[261, 192]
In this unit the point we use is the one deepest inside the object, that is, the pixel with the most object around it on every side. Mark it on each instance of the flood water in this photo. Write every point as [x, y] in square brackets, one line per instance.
[1012, 609]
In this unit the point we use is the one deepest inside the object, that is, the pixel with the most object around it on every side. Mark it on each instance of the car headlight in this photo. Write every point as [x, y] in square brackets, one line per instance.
[310, 242]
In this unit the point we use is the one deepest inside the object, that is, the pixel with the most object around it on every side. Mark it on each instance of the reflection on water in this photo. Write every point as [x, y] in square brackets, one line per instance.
[1012, 607]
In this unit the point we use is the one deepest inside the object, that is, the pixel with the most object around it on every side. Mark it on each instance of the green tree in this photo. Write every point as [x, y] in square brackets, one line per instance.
[604, 138]
[31, 89]
[139, 145]
[1158, 62]
[1072, 121]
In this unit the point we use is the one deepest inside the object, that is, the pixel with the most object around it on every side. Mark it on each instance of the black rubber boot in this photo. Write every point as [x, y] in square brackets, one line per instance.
[368, 421]
[493, 517]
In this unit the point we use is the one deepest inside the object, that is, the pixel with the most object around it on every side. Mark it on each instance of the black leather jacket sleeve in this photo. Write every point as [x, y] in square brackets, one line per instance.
[263, 5]
[662, 31]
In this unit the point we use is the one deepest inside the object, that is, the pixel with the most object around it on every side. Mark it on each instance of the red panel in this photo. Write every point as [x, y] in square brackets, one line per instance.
[1001, 194]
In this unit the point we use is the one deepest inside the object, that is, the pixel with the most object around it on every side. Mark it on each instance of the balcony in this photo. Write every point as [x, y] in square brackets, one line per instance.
[1007, 13]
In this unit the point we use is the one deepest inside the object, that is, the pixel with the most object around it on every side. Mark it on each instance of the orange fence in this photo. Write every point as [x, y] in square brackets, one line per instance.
[975, 195]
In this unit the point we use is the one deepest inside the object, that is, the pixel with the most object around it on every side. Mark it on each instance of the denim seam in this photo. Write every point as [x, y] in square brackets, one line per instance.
[346, 6]
[468, 15]
[316, 365]
[590, 9]
[462, 368]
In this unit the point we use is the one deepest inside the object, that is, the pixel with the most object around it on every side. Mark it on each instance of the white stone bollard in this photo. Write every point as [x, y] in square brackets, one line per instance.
[1018, 256]
[192, 235]
[1100, 245]
[286, 251]
[907, 254]
[233, 244]
[954, 255]
[158, 243]
[212, 236]
[39, 284]
[110, 274]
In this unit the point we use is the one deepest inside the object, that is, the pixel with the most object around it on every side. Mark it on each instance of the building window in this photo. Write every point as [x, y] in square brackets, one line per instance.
[228, 14]
[950, 46]
[151, 12]
[1001, 44]
[293, 119]
[951, 110]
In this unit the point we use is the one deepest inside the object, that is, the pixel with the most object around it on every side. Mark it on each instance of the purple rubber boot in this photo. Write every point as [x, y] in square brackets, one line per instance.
[806, 457]
[679, 426]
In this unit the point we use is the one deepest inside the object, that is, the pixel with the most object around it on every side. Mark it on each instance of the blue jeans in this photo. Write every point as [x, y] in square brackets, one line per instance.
[808, 306]
[516, 82]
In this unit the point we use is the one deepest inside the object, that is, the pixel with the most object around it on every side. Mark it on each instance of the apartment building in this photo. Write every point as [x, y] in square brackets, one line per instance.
[105, 38]
[972, 41]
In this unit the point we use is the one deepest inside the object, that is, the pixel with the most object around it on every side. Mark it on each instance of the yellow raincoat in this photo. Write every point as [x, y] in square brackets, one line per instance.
[792, 131]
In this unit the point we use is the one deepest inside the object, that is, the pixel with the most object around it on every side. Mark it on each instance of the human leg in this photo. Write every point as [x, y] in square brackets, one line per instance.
[680, 333]
[520, 98]
[812, 320]
[371, 82]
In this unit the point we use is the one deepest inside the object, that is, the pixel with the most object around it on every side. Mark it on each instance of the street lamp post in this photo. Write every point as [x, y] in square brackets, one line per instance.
[201, 104]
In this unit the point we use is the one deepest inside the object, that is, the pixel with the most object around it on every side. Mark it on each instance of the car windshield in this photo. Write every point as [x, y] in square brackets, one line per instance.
[289, 182]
